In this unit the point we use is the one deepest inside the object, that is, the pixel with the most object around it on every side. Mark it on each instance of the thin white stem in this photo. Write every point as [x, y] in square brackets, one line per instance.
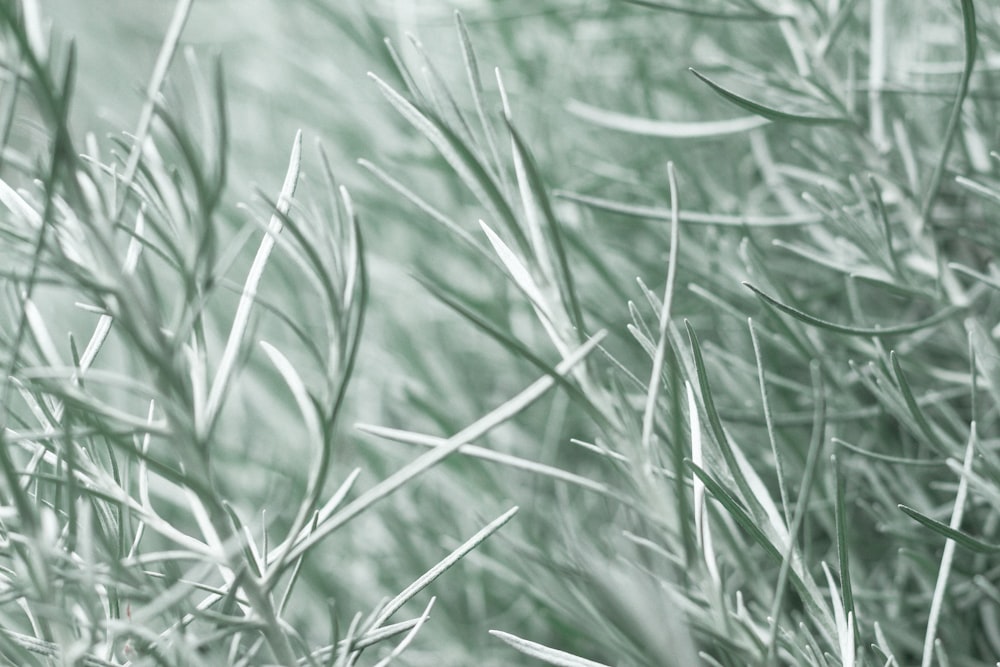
[249, 295]
[949, 552]
[649, 414]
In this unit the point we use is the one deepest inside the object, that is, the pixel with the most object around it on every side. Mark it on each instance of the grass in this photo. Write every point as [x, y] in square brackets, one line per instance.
[670, 341]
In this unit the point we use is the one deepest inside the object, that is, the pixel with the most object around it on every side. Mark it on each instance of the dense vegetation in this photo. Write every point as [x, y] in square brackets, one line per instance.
[582, 333]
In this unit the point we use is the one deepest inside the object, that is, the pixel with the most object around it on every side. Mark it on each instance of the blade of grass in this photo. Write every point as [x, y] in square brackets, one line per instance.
[944, 315]
[655, 379]
[536, 193]
[940, 588]
[962, 538]
[816, 441]
[524, 280]
[476, 87]
[515, 346]
[769, 423]
[767, 112]
[971, 43]
[408, 638]
[715, 422]
[699, 12]
[911, 403]
[170, 42]
[691, 217]
[649, 127]
[885, 457]
[843, 548]
[544, 653]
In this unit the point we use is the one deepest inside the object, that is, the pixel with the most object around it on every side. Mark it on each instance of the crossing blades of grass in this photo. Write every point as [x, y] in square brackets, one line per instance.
[659, 355]
[507, 340]
[476, 88]
[227, 364]
[816, 441]
[428, 577]
[497, 457]
[534, 194]
[462, 160]
[961, 538]
[428, 460]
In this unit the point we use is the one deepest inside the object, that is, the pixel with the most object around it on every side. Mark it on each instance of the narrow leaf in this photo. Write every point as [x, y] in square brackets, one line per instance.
[940, 317]
[767, 112]
[649, 127]
[544, 653]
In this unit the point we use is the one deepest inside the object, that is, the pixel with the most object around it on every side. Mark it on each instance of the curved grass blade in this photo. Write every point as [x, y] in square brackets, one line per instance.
[943, 316]
[981, 277]
[482, 453]
[767, 112]
[659, 355]
[544, 653]
[692, 217]
[720, 15]
[649, 127]
[885, 457]
[969, 63]
[962, 538]
[713, 417]
[911, 403]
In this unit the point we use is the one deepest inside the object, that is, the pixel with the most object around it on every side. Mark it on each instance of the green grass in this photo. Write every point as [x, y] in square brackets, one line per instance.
[593, 333]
